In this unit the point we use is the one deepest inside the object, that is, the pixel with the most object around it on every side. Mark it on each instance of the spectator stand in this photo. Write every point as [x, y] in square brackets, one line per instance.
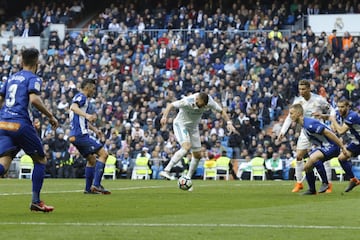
[126, 90]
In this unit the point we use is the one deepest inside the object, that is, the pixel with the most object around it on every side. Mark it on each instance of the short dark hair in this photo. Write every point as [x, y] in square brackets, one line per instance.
[87, 81]
[204, 97]
[30, 56]
[345, 101]
[304, 82]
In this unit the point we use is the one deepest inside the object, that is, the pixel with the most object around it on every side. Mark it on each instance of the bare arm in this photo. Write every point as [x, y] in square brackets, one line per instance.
[76, 109]
[341, 129]
[285, 127]
[321, 116]
[1, 101]
[229, 124]
[225, 115]
[90, 117]
[329, 134]
[36, 101]
[325, 110]
[166, 113]
[97, 131]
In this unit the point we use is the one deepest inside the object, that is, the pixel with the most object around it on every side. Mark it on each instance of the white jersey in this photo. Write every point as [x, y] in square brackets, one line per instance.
[189, 114]
[316, 103]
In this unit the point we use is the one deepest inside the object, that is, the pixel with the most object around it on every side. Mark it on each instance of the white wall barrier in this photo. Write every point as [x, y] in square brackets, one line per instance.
[340, 22]
[20, 42]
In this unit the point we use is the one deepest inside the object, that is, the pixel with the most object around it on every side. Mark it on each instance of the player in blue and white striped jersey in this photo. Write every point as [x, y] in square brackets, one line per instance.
[327, 144]
[315, 106]
[89, 147]
[347, 122]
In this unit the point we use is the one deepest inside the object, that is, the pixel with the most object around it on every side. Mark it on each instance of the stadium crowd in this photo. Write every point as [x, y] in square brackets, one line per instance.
[253, 74]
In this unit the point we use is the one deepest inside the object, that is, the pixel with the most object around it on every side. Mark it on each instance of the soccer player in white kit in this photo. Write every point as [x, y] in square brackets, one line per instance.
[314, 105]
[186, 127]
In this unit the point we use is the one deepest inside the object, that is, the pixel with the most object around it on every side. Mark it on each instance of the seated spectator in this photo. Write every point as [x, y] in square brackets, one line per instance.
[79, 163]
[156, 162]
[63, 165]
[229, 66]
[244, 169]
[231, 169]
[218, 65]
[76, 8]
[144, 155]
[276, 106]
[218, 130]
[54, 40]
[137, 131]
[125, 164]
[172, 63]
[274, 167]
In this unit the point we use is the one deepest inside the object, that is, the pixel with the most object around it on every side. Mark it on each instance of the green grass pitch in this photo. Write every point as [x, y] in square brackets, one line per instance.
[157, 209]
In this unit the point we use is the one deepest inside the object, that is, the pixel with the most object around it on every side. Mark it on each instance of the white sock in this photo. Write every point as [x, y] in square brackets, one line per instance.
[239, 173]
[193, 165]
[299, 168]
[175, 159]
[328, 170]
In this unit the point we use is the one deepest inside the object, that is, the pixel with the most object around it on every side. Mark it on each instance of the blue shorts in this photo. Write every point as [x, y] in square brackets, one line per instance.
[354, 149]
[86, 144]
[16, 135]
[329, 152]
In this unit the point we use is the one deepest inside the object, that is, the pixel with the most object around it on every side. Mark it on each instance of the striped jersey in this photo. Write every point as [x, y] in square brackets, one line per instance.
[79, 124]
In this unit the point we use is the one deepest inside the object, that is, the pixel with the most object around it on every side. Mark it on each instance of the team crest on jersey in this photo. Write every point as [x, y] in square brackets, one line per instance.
[78, 99]
[37, 86]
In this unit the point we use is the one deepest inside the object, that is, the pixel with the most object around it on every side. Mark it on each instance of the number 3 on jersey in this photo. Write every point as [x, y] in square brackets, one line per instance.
[10, 100]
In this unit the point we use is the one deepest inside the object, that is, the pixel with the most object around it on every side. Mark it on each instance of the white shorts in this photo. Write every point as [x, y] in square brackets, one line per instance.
[303, 143]
[188, 134]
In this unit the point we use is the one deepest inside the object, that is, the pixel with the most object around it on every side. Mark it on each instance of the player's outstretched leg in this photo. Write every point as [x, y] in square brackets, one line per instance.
[175, 159]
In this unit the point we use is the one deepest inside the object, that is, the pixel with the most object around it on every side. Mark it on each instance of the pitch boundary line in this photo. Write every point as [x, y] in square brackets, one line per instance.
[74, 191]
[131, 188]
[184, 225]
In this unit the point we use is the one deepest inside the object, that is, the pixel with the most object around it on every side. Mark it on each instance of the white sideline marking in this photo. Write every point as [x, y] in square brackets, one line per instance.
[136, 188]
[73, 191]
[184, 225]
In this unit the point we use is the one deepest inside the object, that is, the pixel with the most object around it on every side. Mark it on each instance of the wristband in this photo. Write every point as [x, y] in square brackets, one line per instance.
[229, 122]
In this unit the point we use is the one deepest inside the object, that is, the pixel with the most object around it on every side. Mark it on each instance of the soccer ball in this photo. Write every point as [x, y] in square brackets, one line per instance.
[184, 183]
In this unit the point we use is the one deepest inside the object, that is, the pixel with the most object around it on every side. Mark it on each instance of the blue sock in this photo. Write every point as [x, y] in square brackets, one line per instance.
[321, 170]
[347, 166]
[89, 177]
[99, 171]
[310, 177]
[37, 181]
[2, 170]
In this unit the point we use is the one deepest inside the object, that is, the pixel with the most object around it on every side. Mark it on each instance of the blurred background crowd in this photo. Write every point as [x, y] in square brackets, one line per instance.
[248, 55]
